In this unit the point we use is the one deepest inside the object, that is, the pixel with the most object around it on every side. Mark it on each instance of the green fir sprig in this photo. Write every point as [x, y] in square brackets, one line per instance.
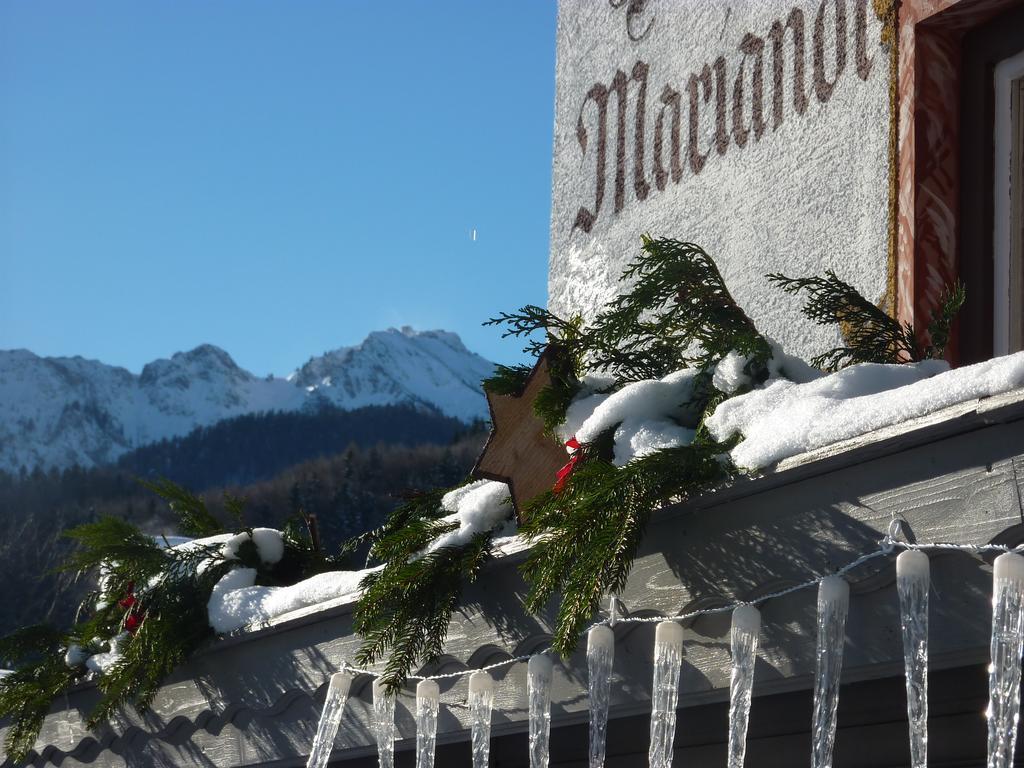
[151, 605]
[870, 335]
[940, 327]
[586, 537]
[405, 608]
[678, 313]
[27, 693]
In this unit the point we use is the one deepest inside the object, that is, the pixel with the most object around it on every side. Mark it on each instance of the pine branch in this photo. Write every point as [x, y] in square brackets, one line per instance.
[871, 335]
[194, 518]
[111, 540]
[28, 643]
[405, 608]
[174, 626]
[26, 696]
[416, 510]
[585, 538]
[941, 324]
[507, 380]
[678, 313]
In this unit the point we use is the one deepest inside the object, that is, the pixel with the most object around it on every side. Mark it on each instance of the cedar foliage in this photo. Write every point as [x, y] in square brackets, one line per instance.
[678, 302]
[406, 606]
[870, 334]
[150, 607]
[677, 313]
[585, 538]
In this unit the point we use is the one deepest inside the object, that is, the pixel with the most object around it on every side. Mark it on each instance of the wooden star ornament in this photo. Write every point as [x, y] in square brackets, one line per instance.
[517, 451]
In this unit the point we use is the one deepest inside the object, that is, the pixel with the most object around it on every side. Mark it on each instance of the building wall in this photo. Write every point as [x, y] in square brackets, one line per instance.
[719, 123]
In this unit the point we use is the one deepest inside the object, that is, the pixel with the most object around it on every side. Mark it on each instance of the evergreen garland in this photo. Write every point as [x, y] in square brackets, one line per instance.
[405, 607]
[150, 607]
[676, 314]
[27, 693]
[871, 335]
[585, 538]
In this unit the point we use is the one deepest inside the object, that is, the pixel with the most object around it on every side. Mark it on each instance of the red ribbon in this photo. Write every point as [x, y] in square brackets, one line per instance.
[563, 474]
[134, 618]
[129, 599]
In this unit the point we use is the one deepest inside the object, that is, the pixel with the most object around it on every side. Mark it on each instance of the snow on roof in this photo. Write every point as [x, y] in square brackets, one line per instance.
[236, 602]
[785, 419]
[780, 420]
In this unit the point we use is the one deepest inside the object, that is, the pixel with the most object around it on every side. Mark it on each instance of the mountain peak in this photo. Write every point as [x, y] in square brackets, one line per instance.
[207, 353]
[430, 368]
[115, 410]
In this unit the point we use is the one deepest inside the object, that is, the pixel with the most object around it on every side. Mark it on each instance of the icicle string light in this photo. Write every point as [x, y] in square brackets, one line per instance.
[833, 606]
[428, 703]
[330, 719]
[538, 684]
[746, 624]
[1007, 645]
[912, 582]
[481, 699]
[600, 657]
[384, 725]
[668, 659]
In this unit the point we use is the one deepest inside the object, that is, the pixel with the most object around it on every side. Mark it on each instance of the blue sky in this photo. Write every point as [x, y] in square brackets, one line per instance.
[275, 178]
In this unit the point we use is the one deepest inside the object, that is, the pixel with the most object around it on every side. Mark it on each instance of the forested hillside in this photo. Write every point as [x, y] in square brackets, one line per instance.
[255, 447]
[344, 468]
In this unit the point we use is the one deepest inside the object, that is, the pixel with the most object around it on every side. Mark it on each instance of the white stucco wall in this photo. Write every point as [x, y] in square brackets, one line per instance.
[808, 194]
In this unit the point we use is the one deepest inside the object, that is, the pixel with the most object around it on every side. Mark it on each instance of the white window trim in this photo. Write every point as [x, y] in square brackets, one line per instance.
[1006, 71]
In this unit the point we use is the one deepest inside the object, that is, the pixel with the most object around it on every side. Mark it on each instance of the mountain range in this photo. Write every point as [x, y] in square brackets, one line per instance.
[56, 412]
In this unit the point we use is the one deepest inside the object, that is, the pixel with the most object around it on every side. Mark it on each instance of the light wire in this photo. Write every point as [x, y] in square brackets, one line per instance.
[886, 547]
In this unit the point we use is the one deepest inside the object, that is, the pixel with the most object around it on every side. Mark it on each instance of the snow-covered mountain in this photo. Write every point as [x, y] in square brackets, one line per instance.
[60, 411]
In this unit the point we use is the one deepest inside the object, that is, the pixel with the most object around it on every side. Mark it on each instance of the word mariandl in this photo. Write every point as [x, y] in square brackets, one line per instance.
[747, 105]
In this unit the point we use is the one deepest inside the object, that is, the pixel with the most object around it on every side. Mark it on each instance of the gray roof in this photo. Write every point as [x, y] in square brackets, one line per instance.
[953, 476]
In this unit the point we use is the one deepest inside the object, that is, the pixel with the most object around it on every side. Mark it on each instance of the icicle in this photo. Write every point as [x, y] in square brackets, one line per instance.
[384, 724]
[600, 655]
[668, 658]
[428, 702]
[330, 719]
[538, 673]
[746, 623]
[912, 581]
[1004, 672]
[481, 697]
[833, 605]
